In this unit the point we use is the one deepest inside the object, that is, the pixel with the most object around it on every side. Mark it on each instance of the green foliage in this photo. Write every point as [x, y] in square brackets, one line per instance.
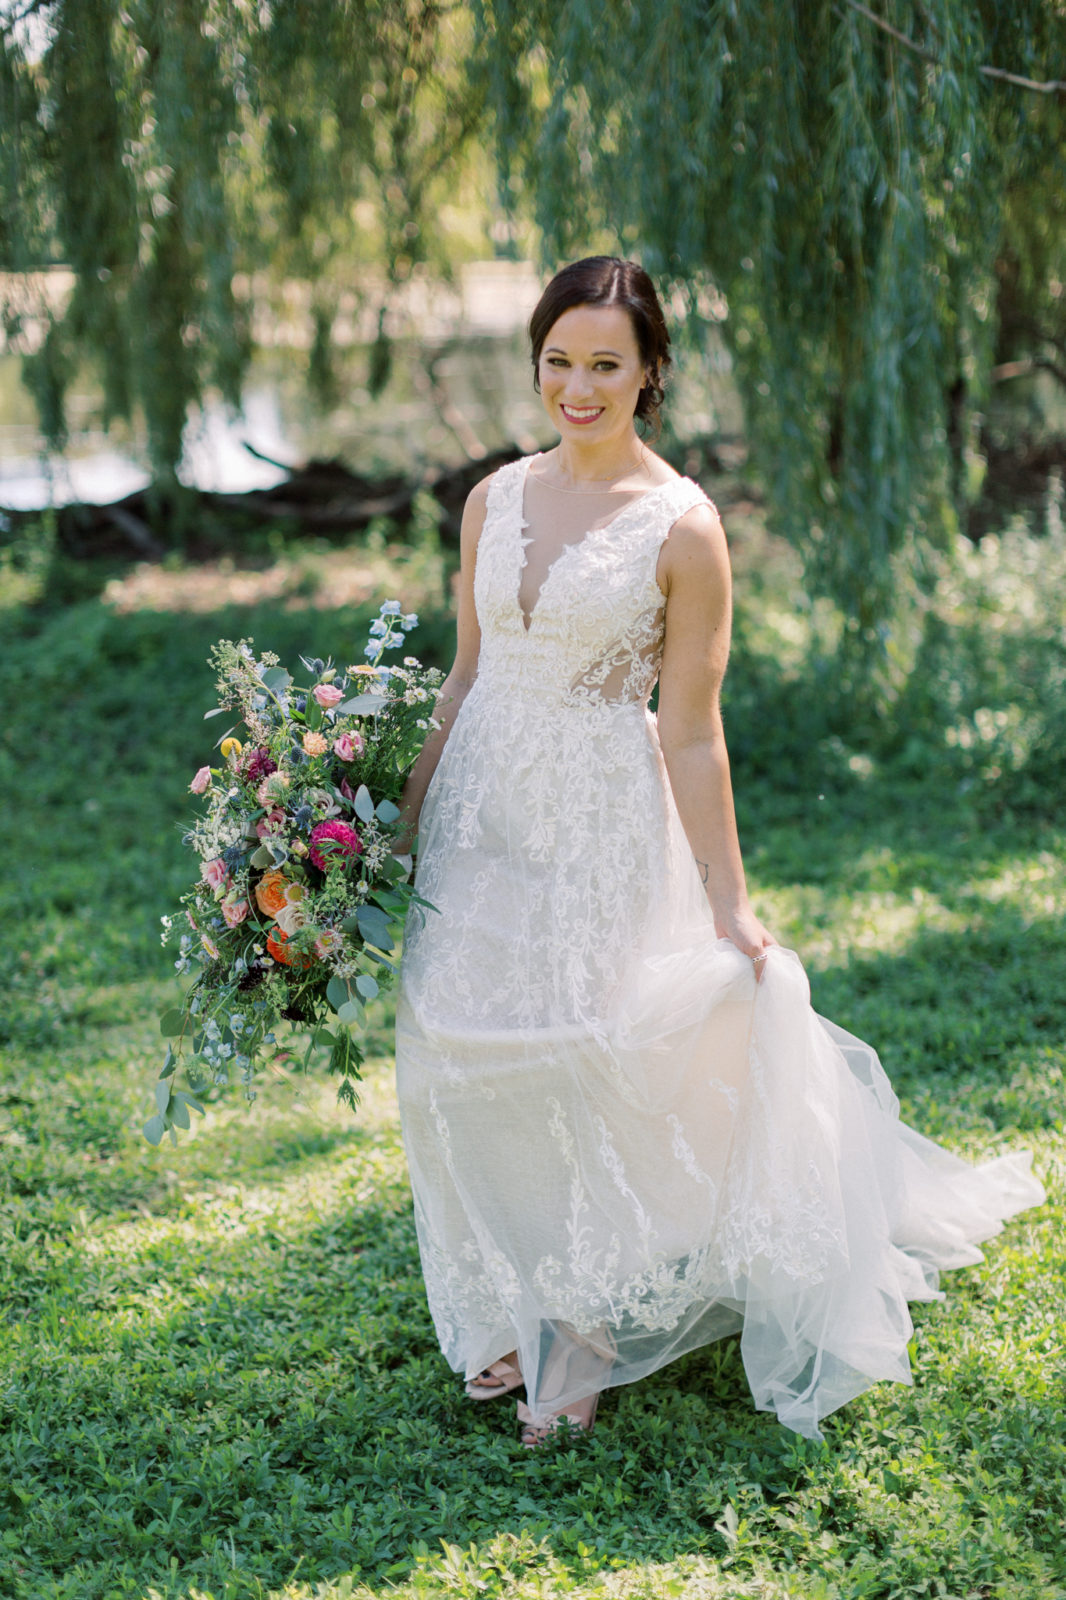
[218, 1375]
[169, 151]
[852, 199]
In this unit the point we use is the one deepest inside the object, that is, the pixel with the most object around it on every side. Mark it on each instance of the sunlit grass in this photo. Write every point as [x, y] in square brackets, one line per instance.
[218, 1376]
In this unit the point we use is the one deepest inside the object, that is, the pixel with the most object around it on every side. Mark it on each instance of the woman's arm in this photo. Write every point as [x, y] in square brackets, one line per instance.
[456, 686]
[693, 571]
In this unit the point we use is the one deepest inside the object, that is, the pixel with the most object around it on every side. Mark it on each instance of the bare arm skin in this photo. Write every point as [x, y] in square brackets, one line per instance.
[693, 572]
[457, 685]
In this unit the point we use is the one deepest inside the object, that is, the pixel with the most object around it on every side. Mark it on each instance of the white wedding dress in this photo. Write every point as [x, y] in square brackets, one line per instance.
[620, 1146]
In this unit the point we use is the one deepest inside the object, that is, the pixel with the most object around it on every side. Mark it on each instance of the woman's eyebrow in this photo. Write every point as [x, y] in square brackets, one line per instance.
[557, 350]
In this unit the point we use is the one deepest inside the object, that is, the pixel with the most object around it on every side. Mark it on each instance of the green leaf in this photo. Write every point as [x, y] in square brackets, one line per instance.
[375, 928]
[337, 993]
[313, 714]
[217, 712]
[172, 1023]
[154, 1129]
[187, 1100]
[367, 986]
[179, 1113]
[261, 857]
[324, 1039]
[364, 805]
[162, 1095]
[364, 705]
[352, 1012]
[170, 1062]
[276, 679]
[387, 812]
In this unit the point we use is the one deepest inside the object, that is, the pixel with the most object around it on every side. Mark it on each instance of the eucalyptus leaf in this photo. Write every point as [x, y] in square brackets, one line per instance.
[162, 1095]
[364, 705]
[170, 1062]
[364, 805]
[374, 927]
[368, 987]
[172, 1023]
[154, 1129]
[276, 679]
[179, 1113]
[187, 1100]
[387, 812]
[351, 1012]
[337, 993]
[261, 857]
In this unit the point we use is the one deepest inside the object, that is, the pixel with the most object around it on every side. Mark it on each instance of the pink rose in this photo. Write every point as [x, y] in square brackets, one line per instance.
[202, 781]
[327, 694]
[215, 873]
[234, 911]
[272, 823]
[349, 745]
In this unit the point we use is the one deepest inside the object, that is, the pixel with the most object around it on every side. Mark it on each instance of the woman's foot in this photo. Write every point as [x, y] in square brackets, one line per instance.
[579, 1414]
[500, 1378]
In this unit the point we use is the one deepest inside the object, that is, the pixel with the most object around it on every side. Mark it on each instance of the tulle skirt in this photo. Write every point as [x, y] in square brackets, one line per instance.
[621, 1146]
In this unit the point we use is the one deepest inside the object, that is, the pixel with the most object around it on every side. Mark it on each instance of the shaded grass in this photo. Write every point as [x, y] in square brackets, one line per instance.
[217, 1373]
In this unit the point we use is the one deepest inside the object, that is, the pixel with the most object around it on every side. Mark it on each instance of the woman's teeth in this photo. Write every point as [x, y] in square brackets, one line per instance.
[581, 413]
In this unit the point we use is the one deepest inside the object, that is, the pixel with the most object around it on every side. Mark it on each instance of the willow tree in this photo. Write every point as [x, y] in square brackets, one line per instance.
[167, 150]
[866, 186]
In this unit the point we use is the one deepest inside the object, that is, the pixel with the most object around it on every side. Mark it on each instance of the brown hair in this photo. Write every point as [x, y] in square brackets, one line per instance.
[610, 281]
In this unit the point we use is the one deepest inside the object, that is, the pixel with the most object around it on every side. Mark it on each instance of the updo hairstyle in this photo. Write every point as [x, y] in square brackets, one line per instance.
[610, 281]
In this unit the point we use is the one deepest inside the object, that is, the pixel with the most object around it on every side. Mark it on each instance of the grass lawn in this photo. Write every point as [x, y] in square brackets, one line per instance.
[218, 1376]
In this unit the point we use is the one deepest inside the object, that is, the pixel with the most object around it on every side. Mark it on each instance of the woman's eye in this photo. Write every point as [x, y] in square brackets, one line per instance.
[607, 366]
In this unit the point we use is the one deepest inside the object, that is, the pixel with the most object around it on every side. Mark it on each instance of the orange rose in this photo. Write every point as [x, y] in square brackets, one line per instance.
[277, 940]
[270, 892]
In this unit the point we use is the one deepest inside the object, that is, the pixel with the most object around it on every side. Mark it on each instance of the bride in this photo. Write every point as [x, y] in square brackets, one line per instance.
[628, 1132]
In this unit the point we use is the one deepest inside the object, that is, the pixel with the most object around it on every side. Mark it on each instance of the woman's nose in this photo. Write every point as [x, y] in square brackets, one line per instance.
[578, 383]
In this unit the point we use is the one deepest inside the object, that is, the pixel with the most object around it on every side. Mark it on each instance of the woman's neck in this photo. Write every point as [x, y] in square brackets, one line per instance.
[594, 466]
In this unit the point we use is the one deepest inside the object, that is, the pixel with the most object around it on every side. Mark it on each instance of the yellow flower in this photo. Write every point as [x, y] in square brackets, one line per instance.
[315, 744]
[231, 747]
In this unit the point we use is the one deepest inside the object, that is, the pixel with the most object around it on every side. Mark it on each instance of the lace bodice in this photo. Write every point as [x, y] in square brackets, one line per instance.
[596, 631]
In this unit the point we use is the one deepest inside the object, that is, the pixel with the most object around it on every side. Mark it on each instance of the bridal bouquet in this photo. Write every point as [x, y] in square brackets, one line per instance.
[301, 895]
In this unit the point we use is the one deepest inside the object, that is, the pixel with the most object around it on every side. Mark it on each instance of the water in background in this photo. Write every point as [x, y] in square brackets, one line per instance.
[461, 382]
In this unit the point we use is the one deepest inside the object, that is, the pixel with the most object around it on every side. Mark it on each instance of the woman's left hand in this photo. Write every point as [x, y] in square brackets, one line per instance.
[745, 930]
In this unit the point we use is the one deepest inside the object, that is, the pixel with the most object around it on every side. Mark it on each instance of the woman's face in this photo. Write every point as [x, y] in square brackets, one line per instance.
[591, 373]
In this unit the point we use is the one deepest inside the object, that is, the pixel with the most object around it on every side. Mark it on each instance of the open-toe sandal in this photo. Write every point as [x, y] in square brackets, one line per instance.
[499, 1378]
[581, 1415]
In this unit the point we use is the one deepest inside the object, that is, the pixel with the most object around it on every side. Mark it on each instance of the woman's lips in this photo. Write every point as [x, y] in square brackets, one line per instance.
[581, 414]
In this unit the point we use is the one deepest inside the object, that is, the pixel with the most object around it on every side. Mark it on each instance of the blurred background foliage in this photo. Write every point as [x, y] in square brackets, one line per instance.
[864, 206]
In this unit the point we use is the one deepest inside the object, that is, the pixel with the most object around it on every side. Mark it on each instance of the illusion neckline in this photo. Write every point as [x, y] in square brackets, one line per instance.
[527, 620]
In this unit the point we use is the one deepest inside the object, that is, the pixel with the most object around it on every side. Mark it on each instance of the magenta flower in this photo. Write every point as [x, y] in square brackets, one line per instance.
[202, 781]
[327, 694]
[332, 843]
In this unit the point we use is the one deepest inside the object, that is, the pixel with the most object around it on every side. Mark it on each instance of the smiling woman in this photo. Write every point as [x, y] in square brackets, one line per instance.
[628, 1132]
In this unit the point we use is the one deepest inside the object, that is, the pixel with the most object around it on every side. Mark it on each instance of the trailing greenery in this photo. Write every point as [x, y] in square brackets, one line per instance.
[218, 1378]
[872, 219]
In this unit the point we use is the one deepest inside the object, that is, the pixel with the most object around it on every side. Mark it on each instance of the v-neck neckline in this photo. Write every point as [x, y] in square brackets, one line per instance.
[525, 621]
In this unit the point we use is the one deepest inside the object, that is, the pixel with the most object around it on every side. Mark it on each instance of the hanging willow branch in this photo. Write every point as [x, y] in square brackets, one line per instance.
[1049, 86]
